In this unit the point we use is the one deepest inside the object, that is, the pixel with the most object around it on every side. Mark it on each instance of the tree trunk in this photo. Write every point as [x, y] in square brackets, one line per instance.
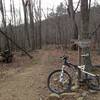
[85, 32]
[5, 40]
[73, 23]
[31, 25]
[26, 22]
[40, 41]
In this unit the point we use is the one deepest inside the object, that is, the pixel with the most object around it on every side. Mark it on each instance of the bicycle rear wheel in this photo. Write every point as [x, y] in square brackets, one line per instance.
[94, 83]
[55, 85]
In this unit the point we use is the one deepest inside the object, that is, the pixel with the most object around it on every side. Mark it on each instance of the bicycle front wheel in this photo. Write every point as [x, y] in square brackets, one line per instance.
[55, 85]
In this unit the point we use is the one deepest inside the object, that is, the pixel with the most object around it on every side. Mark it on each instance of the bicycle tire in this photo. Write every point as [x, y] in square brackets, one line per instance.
[94, 86]
[68, 86]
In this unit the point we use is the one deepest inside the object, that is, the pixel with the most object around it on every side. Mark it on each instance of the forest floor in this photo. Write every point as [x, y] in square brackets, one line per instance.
[26, 79]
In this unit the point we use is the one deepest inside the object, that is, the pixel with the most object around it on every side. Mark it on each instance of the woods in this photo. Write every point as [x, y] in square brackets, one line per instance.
[36, 30]
[49, 49]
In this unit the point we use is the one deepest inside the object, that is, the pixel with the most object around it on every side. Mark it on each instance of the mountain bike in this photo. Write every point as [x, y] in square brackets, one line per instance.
[60, 81]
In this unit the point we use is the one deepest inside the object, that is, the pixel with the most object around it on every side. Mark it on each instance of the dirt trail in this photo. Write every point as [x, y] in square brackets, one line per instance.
[28, 84]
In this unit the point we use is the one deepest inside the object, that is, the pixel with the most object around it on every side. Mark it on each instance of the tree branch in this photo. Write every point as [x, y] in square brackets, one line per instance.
[66, 3]
[77, 6]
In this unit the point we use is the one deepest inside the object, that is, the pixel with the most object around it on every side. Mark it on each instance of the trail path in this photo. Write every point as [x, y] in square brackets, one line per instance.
[28, 83]
[26, 79]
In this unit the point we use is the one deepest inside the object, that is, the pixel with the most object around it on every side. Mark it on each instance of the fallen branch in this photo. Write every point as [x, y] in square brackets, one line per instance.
[3, 33]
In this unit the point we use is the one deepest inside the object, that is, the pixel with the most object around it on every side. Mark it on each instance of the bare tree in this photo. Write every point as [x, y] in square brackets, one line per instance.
[30, 5]
[12, 21]
[72, 13]
[25, 3]
[37, 17]
[85, 32]
[5, 41]
[40, 41]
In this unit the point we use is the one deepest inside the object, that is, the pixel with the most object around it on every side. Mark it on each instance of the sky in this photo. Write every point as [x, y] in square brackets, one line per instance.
[45, 4]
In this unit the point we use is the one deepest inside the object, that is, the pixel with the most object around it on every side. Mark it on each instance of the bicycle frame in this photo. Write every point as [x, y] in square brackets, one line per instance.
[80, 68]
[62, 72]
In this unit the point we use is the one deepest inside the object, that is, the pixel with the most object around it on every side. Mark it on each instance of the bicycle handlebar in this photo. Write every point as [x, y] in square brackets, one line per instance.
[65, 58]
